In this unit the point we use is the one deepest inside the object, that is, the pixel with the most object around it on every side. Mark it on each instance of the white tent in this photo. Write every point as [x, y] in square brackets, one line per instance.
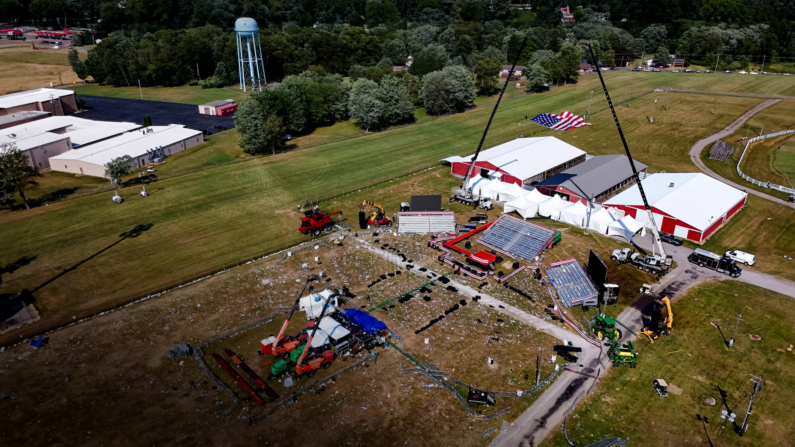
[493, 189]
[321, 338]
[313, 304]
[477, 184]
[574, 214]
[551, 208]
[537, 197]
[513, 191]
[523, 206]
[601, 220]
[333, 328]
[625, 227]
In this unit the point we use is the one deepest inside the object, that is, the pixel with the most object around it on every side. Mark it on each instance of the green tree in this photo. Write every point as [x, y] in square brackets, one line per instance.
[119, 167]
[537, 79]
[661, 57]
[432, 58]
[250, 125]
[654, 36]
[717, 11]
[394, 95]
[16, 174]
[381, 12]
[487, 73]
[363, 105]
[448, 91]
[566, 65]
[274, 133]
[472, 10]
[425, 34]
[78, 66]
[447, 40]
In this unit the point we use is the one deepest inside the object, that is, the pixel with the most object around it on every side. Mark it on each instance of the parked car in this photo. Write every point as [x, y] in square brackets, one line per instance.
[741, 256]
[743, 72]
[637, 69]
[660, 67]
[687, 70]
[754, 73]
[675, 71]
[707, 71]
[727, 71]
[656, 69]
[671, 239]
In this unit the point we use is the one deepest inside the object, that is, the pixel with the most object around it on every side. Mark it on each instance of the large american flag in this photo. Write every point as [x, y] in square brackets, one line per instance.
[564, 121]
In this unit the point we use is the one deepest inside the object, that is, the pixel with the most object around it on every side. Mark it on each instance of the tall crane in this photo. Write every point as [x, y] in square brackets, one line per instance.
[656, 233]
[464, 194]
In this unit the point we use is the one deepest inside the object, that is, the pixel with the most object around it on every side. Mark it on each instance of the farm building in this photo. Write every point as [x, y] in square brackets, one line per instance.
[517, 72]
[59, 102]
[594, 179]
[523, 161]
[220, 108]
[45, 138]
[138, 144]
[688, 205]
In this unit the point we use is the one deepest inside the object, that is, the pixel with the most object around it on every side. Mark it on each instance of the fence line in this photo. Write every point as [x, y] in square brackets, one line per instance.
[756, 182]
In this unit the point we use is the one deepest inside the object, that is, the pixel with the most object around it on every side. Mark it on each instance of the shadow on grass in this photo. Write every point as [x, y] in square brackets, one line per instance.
[135, 232]
[16, 265]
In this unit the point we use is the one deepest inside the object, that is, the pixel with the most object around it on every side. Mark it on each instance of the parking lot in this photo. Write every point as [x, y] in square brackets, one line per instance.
[162, 113]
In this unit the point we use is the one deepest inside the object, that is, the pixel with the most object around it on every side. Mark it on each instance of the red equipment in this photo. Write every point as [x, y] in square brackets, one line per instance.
[314, 361]
[226, 110]
[282, 347]
[12, 34]
[66, 34]
[482, 259]
[314, 222]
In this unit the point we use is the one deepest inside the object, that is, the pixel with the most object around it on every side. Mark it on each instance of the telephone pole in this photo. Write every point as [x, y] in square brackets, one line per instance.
[713, 106]
[731, 340]
[757, 387]
[588, 113]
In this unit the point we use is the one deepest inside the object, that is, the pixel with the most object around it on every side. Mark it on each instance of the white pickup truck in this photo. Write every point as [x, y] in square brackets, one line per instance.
[741, 257]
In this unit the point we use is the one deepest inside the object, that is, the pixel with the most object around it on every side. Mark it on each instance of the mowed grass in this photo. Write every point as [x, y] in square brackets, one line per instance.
[784, 162]
[206, 220]
[765, 229]
[22, 68]
[694, 358]
[181, 94]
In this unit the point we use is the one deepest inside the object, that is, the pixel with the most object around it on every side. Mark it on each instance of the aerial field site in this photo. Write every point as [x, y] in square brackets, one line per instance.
[429, 223]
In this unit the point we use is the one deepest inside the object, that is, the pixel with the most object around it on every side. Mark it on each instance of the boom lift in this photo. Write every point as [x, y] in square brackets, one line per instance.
[663, 258]
[378, 218]
[282, 347]
[314, 361]
[464, 195]
[657, 327]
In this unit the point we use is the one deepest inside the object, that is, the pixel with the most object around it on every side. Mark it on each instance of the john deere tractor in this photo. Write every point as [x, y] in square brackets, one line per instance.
[622, 355]
[605, 328]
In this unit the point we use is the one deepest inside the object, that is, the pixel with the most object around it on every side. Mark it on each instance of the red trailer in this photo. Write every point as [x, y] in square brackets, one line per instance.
[226, 110]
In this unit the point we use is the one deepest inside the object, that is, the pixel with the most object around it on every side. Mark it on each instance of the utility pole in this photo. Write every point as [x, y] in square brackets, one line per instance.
[197, 72]
[757, 387]
[589, 105]
[746, 131]
[763, 63]
[140, 90]
[716, 63]
[668, 100]
[713, 106]
[538, 369]
[731, 340]
[653, 106]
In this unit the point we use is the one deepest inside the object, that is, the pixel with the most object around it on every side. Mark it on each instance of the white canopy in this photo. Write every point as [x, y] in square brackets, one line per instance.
[333, 328]
[523, 206]
[601, 220]
[574, 214]
[551, 208]
[478, 184]
[494, 189]
[321, 339]
[536, 196]
[313, 304]
[625, 227]
[512, 192]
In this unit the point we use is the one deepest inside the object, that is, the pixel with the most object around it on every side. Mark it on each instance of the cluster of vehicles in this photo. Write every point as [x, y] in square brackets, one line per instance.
[654, 264]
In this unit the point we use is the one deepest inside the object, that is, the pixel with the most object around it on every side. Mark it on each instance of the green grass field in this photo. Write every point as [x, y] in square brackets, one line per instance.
[208, 213]
[694, 359]
[182, 94]
[784, 162]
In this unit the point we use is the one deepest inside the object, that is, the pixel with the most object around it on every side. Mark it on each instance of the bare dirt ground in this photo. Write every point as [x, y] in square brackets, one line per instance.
[108, 380]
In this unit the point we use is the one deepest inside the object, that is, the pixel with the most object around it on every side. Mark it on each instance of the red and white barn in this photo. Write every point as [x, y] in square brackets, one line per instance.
[523, 161]
[688, 205]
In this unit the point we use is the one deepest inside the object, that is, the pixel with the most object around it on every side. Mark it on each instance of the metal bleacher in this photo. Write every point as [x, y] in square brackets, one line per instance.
[572, 283]
[517, 238]
[721, 151]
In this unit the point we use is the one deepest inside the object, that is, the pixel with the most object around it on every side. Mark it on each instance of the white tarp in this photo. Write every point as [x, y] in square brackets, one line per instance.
[574, 214]
[313, 304]
[521, 205]
[601, 220]
[512, 192]
[321, 339]
[626, 227]
[552, 207]
[331, 327]
[493, 189]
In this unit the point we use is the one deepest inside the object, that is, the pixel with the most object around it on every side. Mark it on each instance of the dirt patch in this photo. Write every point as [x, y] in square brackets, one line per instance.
[699, 378]
[675, 389]
[608, 399]
[754, 337]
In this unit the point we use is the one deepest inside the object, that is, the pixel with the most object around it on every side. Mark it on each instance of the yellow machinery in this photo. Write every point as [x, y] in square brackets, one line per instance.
[658, 327]
[378, 218]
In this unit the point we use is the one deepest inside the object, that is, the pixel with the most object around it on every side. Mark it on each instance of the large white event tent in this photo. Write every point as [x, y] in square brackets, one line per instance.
[601, 220]
[537, 197]
[512, 192]
[522, 205]
[551, 208]
[625, 227]
[574, 214]
[494, 189]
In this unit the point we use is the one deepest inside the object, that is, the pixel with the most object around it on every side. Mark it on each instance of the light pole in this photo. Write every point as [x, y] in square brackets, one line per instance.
[668, 100]
[713, 106]
[653, 106]
[588, 113]
[731, 340]
[521, 130]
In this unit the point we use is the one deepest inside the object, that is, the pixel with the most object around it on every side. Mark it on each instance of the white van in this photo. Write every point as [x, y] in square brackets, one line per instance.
[741, 256]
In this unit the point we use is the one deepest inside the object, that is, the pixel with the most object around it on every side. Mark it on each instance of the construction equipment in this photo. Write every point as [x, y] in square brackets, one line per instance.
[314, 361]
[661, 387]
[609, 293]
[655, 265]
[658, 325]
[314, 222]
[622, 354]
[654, 230]
[281, 347]
[605, 328]
[378, 218]
[464, 193]
[721, 264]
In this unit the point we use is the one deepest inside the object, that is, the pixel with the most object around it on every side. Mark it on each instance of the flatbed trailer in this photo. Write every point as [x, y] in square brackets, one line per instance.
[238, 379]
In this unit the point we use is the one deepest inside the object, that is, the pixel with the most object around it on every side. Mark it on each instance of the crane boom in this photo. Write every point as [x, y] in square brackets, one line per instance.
[656, 233]
[292, 311]
[464, 192]
[312, 335]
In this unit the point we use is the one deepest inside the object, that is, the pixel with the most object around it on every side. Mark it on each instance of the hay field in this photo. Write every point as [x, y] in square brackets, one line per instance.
[22, 68]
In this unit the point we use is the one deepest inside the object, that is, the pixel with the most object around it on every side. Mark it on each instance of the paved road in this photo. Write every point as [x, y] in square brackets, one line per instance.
[695, 151]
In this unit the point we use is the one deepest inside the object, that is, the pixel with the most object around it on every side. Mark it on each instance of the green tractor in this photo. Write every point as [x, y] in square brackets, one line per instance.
[622, 355]
[605, 328]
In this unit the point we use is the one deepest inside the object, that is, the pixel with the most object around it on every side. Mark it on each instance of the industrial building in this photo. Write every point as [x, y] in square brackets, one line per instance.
[688, 205]
[523, 161]
[593, 180]
[56, 101]
[220, 108]
[142, 145]
[17, 118]
[45, 138]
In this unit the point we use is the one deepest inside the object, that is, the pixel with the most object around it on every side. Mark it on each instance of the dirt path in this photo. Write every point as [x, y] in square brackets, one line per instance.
[695, 150]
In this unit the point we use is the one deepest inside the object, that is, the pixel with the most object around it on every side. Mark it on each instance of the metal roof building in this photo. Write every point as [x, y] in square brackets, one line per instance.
[688, 205]
[594, 179]
[523, 161]
[91, 159]
[57, 101]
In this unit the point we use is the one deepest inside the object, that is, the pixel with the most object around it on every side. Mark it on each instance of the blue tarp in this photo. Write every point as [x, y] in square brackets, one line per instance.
[367, 322]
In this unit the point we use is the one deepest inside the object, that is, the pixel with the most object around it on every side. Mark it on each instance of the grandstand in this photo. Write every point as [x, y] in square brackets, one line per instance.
[721, 151]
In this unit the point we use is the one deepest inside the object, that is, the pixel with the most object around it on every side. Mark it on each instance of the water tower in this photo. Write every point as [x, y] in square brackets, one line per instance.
[249, 53]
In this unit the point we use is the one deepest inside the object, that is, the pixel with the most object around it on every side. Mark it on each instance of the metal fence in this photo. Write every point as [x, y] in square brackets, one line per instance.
[755, 181]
